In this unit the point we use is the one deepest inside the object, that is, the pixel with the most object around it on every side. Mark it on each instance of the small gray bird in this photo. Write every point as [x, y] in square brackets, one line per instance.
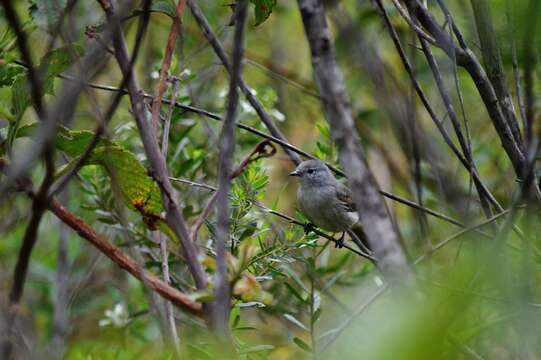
[327, 203]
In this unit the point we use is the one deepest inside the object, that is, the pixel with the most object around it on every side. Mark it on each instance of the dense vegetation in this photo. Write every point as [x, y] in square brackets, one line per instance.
[146, 208]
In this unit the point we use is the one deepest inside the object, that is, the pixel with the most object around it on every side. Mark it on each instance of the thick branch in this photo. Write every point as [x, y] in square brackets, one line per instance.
[493, 63]
[382, 234]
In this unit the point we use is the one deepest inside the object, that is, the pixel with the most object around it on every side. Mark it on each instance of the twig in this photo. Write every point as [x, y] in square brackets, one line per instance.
[516, 74]
[417, 29]
[354, 316]
[258, 152]
[167, 123]
[482, 189]
[460, 233]
[465, 58]
[62, 286]
[493, 63]
[166, 62]
[156, 104]
[485, 196]
[252, 99]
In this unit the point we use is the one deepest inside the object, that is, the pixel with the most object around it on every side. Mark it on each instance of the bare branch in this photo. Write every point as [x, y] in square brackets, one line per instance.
[493, 63]
[166, 62]
[465, 58]
[381, 232]
[124, 261]
[222, 291]
[252, 99]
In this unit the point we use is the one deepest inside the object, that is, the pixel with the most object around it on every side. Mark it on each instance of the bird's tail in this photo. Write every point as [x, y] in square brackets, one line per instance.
[358, 236]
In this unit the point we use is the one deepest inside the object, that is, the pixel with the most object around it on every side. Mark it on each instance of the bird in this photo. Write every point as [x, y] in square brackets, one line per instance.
[327, 203]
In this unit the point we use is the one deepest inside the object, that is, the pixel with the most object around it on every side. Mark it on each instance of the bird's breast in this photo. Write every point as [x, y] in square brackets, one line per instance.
[321, 206]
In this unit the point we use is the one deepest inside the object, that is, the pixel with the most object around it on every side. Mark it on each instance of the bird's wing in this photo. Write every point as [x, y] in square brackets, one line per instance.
[344, 196]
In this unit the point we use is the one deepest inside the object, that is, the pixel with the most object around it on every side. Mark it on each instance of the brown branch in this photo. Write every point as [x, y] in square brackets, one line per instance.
[382, 234]
[166, 62]
[124, 261]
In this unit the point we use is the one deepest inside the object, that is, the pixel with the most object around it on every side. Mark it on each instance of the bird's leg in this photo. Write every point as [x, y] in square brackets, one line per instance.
[339, 243]
[308, 228]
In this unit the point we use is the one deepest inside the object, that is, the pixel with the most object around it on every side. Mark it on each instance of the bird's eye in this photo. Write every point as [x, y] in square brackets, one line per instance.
[310, 171]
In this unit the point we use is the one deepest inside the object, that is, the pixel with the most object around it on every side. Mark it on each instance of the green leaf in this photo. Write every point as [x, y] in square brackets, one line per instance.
[166, 7]
[295, 321]
[263, 9]
[316, 316]
[300, 343]
[201, 296]
[8, 73]
[257, 348]
[58, 61]
[46, 13]
[140, 192]
[294, 292]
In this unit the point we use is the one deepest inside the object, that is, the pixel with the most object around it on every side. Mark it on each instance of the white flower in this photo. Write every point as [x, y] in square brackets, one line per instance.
[118, 316]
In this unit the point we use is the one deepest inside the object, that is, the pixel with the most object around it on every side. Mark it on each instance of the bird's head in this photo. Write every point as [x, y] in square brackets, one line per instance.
[313, 172]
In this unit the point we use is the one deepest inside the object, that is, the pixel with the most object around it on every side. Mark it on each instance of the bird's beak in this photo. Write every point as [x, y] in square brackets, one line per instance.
[294, 173]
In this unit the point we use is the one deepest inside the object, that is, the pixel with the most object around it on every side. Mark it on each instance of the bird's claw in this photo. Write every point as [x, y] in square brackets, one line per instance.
[308, 228]
[339, 243]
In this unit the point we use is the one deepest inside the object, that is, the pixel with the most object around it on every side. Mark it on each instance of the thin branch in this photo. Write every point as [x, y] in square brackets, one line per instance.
[493, 63]
[40, 201]
[222, 292]
[461, 233]
[166, 62]
[252, 99]
[162, 239]
[484, 193]
[417, 29]
[167, 124]
[485, 196]
[465, 58]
